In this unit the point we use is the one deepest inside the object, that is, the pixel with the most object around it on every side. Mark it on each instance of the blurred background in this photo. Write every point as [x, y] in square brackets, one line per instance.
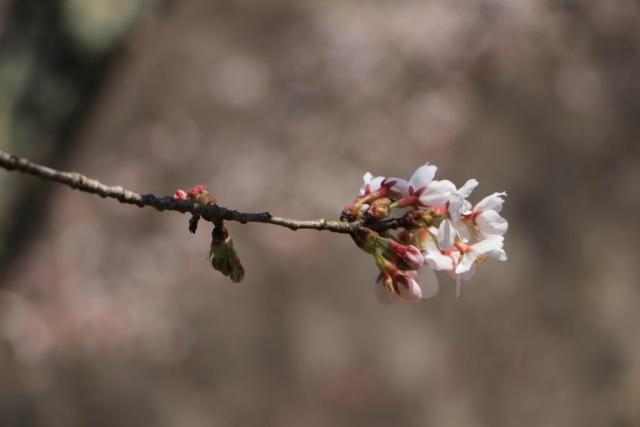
[110, 315]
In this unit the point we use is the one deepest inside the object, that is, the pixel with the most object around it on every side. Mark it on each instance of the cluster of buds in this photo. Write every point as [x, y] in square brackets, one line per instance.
[443, 232]
[222, 255]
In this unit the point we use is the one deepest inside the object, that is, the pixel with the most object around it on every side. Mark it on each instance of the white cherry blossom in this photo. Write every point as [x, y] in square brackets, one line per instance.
[486, 216]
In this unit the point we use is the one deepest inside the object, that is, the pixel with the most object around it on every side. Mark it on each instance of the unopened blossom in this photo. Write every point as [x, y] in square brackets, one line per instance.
[196, 190]
[384, 289]
[180, 194]
[409, 254]
[398, 286]
[198, 193]
[223, 256]
[411, 287]
[380, 208]
[407, 287]
[399, 282]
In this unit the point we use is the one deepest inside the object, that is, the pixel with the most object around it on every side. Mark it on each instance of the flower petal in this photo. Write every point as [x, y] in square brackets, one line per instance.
[456, 206]
[429, 283]
[468, 187]
[490, 223]
[493, 202]
[464, 276]
[491, 247]
[498, 254]
[488, 245]
[400, 186]
[463, 230]
[422, 176]
[446, 235]
[436, 259]
[466, 262]
[371, 183]
[409, 290]
[437, 193]
[382, 293]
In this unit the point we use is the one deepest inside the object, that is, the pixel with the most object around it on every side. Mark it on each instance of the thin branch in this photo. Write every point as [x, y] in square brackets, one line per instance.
[208, 212]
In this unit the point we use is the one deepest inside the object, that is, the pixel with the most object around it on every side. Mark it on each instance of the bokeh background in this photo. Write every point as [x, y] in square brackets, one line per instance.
[110, 315]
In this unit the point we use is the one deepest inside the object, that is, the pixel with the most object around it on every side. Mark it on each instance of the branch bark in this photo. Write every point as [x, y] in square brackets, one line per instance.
[208, 212]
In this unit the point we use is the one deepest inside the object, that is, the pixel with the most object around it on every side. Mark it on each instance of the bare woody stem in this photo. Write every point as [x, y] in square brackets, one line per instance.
[208, 212]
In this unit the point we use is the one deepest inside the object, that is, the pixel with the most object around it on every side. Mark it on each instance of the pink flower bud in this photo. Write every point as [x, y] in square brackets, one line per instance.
[196, 190]
[384, 290]
[408, 288]
[413, 257]
[409, 254]
[180, 194]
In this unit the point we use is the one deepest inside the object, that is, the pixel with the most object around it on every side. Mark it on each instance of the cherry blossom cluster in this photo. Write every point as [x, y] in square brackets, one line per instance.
[441, 231]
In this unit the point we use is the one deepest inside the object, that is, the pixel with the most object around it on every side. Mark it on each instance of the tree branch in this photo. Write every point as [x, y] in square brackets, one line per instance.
[208, 212]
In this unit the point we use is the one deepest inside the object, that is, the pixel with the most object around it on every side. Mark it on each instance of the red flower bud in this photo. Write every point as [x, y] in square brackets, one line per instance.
[196, 190]
[180, 194]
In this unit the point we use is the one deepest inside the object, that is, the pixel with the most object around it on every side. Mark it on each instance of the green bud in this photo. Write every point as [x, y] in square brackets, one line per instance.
[223, 256]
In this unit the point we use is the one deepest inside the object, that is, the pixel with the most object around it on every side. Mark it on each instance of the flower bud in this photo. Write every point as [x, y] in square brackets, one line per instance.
[237, 270]
[408, 288]
[422, 238]
[405, 236]
[380, 208]
[196, 190]
[223, 256]
[220, 263]
[409, 254]
[367, 240]
[385, 291]
[427, 218]
[413, 257]
[180, 194]
[200, 194]
[350, 213]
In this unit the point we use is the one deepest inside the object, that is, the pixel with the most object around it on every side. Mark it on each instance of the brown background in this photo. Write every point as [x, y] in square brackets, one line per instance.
[109, 315]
